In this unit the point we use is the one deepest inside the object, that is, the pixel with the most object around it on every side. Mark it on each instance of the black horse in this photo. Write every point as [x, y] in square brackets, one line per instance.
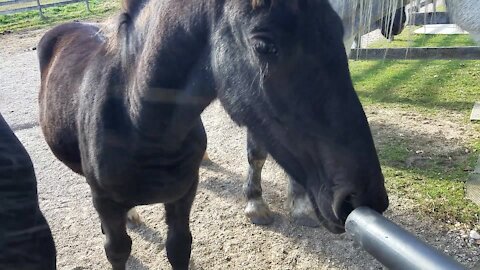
[26, 242]
[121, 105]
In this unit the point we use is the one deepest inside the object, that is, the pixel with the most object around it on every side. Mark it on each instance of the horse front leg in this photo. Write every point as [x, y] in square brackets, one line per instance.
[113, 217]
[256, 210]
[179, 237]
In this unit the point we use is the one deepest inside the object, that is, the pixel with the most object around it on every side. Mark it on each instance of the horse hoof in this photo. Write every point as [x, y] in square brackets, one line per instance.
[133, 217]
[302, 212]
[258, 213]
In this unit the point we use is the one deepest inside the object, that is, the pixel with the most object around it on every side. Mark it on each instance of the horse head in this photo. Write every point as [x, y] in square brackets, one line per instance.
[280, 69]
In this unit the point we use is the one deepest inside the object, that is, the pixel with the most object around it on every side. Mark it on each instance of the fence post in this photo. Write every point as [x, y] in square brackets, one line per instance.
[40, 9]
[88, 6]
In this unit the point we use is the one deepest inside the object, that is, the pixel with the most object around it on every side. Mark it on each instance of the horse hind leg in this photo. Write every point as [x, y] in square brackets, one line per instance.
[113, 217]
[179, 237]
[300, 205]
[256, 210]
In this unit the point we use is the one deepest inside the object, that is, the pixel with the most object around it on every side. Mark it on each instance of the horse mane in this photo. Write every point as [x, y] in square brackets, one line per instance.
[117, 29]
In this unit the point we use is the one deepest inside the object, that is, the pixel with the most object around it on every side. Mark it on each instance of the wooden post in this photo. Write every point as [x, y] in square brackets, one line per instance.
[88, 6]
[40, 9]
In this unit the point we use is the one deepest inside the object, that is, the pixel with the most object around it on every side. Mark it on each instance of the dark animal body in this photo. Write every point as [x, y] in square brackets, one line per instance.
[122, 107]
[26, 241]
[394, 26]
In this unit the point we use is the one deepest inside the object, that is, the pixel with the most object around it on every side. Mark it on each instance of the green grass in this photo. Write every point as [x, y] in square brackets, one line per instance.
[54, 15]
[441, 8]
[430, 88]
[27, 4]
[419, 84]
[438, 197]
[409, 39]
[437, 186]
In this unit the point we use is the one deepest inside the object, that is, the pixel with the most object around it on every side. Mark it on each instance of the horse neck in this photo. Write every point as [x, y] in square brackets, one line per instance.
[163, 34]
[165, 92]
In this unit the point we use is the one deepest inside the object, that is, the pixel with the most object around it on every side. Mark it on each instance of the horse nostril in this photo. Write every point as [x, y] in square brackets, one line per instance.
[343, 205]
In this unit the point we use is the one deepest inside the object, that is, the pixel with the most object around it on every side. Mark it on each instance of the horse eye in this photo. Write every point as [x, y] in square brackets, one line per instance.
[265, 47]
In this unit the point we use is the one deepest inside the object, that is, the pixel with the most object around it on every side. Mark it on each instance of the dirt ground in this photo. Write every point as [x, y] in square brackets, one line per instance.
[222, 236]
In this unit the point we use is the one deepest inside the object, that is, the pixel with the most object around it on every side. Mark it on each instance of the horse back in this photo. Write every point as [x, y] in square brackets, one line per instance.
[64, 54]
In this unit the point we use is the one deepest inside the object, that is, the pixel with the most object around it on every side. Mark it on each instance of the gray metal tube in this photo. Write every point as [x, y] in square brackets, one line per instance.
[393, 246]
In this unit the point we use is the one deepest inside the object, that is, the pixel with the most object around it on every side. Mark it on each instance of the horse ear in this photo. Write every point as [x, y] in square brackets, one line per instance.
[132, 7]
[257, 3]
[261, 3]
